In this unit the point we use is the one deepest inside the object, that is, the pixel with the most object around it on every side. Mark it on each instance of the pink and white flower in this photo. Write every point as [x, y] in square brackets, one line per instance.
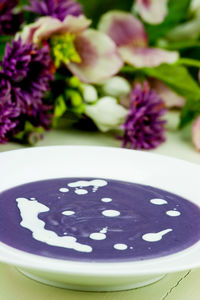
[170, 98]
[152, 11]
[99, 55]
[130, 36]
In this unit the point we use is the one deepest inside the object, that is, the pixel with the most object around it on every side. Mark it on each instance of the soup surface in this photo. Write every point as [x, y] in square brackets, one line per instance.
[94, 219]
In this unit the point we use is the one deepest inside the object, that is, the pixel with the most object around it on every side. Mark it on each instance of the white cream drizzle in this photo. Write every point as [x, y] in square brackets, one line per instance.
[104, 230]
[96, 183]
[29, 211]
[155, 237]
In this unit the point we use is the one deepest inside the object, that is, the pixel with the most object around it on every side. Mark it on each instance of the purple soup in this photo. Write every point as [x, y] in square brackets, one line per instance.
[91, 219]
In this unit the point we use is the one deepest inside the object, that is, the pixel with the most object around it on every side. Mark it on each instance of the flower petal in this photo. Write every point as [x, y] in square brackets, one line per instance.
[152, 11]
[99, 57]
[45, 27]
[170, 98]
[196, 133]
[147, 57]
[76, 24]
[107, 114]
[123, 28]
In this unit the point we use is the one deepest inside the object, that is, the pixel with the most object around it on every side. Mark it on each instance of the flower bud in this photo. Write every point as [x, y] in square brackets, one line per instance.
[89, 93]
[107, 114]
[117, 87]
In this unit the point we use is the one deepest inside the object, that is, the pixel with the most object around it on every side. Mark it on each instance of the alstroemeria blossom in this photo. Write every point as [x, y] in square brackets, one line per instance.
[152, 11]
[147, 57]
[129, 35]
[124, 29]
[99, 57]
[107, 114]
[46, 27]
[170, 98]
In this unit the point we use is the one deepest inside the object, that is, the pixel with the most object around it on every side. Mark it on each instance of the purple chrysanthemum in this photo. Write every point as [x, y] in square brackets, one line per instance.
[9, 21]
[9, 111]
[29, 70]
[8, 121]
[144, 126]
[55, 8]
[5, 90]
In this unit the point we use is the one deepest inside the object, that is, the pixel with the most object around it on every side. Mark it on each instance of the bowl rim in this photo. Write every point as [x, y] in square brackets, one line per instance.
[165, 264]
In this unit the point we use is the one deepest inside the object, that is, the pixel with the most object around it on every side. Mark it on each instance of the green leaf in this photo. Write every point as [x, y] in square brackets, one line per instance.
[94, 9]
[23, 2]
[177, 12]
[180, 45]
[190, 110]
[177, 77]
[4, 39]
[189, 62]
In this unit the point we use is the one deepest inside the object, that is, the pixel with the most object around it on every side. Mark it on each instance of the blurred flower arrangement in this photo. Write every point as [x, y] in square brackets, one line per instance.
[121, 71]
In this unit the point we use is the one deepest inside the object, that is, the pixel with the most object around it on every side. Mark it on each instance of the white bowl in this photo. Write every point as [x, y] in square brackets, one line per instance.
[176, 176]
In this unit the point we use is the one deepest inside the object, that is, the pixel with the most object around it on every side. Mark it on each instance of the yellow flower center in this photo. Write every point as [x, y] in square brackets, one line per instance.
[63, 49]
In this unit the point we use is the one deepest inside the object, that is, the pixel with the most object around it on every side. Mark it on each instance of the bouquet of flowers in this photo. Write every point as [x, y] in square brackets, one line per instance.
[101, 64]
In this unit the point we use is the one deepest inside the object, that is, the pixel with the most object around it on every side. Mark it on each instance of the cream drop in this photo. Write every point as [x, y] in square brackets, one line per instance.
[158, 201]
[173, 213]
[120, 246]
[68, 212]
[81, 191]
[97, 236]
[106, 200]
[155, 237]
[111, 213]
[64, 190]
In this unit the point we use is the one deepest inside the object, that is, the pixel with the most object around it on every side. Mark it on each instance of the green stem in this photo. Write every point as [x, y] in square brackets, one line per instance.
[189, 62]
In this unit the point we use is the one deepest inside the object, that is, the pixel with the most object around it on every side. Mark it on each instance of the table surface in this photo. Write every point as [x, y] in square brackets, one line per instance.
[177, 286]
